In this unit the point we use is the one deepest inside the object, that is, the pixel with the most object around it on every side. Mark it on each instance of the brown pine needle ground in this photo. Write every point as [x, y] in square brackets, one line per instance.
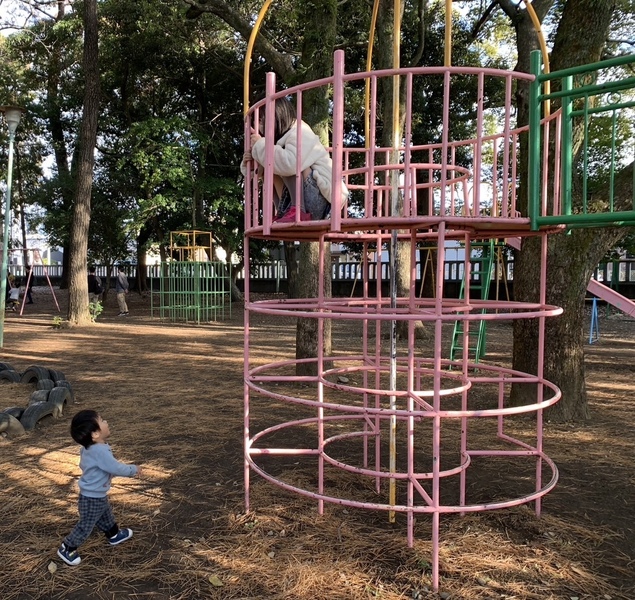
[173, 398]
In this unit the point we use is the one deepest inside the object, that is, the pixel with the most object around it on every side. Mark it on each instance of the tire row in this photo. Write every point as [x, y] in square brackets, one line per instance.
[52, 393]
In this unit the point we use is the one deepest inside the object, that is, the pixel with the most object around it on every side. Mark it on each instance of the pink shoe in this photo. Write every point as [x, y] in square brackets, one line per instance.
[289, 216]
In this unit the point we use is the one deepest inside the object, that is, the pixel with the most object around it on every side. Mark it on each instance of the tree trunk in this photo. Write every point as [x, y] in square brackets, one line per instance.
[306, 339]
[56, 129]
[385, 60]
[317, 62]
[291, 260]
[142, 270]
[572, 257]
[78, 313]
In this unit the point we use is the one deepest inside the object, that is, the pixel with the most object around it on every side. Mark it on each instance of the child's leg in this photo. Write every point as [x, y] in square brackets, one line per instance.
[90, 513]
[106, 522]
[314, 202]
[284, 204]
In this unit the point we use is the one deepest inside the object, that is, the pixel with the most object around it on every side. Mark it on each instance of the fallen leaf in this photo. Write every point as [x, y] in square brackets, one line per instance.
[52, 567]
[215, 581]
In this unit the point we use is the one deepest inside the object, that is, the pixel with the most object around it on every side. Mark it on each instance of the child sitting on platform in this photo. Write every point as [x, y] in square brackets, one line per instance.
[316, 166]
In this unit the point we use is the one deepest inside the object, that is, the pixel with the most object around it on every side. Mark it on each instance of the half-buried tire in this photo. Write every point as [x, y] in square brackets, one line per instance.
[10, 425]
[10, 375]
[34, 413]
[35, 373]
[59, 396]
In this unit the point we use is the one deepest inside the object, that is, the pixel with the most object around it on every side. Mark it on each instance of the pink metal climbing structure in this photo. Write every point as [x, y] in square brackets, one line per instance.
[400, 421]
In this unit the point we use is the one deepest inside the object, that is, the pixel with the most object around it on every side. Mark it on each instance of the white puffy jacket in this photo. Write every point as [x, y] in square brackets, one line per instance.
[312, 153]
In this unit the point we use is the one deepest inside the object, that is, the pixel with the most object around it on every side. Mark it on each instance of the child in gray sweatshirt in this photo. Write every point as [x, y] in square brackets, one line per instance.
[98, 467]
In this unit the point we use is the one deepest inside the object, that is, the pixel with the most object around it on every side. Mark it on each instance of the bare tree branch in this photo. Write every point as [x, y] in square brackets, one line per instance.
[280, 62]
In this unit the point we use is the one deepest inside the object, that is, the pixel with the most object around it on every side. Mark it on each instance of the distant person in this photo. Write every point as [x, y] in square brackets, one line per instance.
[14, 296]
[95, 287]
[30, 282]
[122, 287]
[98, 467]
[10, 282]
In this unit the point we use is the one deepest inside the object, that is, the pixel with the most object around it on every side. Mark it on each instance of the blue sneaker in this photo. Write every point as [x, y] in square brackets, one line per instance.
[123, 535]
[70, 557]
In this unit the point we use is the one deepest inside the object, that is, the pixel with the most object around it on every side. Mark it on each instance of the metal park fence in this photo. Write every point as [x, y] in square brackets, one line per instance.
[272, 276]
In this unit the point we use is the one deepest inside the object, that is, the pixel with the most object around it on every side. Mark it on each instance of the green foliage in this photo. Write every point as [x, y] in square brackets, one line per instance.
[95, 309]
[170, 128]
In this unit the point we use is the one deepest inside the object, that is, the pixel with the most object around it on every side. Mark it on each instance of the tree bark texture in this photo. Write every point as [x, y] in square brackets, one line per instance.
[318, 19]
[580, 39]
[78, 313]
[56, 129]
[307, 338]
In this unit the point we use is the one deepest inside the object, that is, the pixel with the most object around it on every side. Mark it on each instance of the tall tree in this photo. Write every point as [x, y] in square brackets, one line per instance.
[317, 45]
[571, 258]
[78, 313]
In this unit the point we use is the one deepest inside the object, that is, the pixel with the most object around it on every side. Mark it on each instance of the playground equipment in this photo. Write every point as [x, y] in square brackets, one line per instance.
[403, 426]
[192, 287]
[35, 258]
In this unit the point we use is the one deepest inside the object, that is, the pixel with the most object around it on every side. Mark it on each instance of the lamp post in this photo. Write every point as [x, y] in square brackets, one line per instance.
[12, 115]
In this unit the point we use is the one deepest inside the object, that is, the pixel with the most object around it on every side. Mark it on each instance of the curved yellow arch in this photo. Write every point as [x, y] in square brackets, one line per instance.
[250, 49]
[369, 66]
[543, 49]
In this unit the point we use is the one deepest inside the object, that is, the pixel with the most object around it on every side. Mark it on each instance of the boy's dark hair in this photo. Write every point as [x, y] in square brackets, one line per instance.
[91, 269]
[83, 425]
[285, 118]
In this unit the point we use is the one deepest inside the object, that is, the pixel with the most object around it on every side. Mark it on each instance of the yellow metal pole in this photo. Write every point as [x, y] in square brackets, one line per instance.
[369, 66]
[447, 52]
[396, 139]
[250, 49]
[543, 49]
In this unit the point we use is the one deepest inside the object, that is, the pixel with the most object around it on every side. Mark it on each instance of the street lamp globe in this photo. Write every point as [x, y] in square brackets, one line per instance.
[12, 115]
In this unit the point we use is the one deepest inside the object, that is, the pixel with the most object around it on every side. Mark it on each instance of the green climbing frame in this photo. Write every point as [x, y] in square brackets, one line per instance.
[478, 283]
[191, 292]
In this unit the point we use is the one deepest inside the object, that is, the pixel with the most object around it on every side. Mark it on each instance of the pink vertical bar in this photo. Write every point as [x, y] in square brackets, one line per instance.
[320, 373]
[478, 148]
[372, 199]
[453, 210]
[255, 208]
[378, 296]
[557, 210]
[338, 140]
[506, 141]
[245, 379]
[436, 421]
[464, 371]
[249, 177]
[444, 140]
[501, 404]
[431, 182]
[299, 180]
[270, 122]
[545, 165]
[541, 366]
[513, 196]
[495, 177]
[365, 278]
[409, 193]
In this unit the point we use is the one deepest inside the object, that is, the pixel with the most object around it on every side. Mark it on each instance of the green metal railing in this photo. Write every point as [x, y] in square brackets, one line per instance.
[477, 285]
[578, 159]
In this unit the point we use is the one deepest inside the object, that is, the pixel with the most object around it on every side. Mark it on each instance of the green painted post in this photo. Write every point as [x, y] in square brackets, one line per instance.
[567, 150]
[533, 183]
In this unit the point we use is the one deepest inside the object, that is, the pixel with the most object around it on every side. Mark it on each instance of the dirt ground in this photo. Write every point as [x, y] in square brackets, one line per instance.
[173, 397]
